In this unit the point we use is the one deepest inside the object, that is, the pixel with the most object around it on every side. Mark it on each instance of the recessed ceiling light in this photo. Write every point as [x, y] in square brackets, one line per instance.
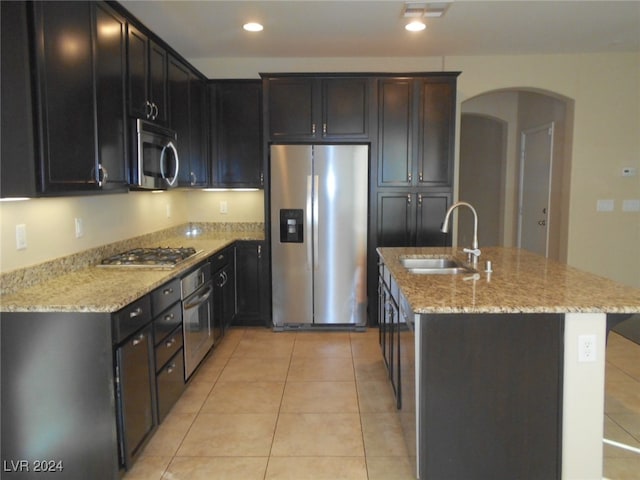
[253, 27]
[415, 26]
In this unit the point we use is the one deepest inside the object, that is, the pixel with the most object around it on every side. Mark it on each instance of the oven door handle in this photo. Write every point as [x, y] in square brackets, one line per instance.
[200, 299]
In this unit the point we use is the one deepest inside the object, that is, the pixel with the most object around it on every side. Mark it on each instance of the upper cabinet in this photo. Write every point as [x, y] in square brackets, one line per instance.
[416, 131]
[187, 112]
[147, 62]
[316, 108]
[236, 133]
[78, 107]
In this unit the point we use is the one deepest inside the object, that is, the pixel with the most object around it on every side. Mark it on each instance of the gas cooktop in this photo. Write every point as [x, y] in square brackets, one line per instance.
[157, 257]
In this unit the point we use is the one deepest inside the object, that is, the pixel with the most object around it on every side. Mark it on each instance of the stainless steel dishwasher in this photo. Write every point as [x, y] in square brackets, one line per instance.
[197, 316]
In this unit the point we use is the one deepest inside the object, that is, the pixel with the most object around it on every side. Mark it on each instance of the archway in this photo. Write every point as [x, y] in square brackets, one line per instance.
[490, 147]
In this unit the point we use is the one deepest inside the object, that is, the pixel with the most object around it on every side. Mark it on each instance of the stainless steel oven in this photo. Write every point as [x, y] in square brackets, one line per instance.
[197, 316]
[156, 157]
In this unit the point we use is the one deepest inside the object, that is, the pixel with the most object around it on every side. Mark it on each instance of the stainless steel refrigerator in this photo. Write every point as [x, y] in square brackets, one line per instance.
[319, 209]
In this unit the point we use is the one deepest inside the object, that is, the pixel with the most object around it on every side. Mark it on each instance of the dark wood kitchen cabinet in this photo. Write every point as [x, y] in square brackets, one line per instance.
[416, 131]
[253, 295]
[412, 219]
[306, 108]
[235, 119]
[223, 269]
[18, 147]
[147, 63]
[187, 116]
[80, 77]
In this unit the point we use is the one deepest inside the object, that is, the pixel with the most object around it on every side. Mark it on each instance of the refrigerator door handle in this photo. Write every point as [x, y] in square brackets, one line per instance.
[308, 221]
[316, 251]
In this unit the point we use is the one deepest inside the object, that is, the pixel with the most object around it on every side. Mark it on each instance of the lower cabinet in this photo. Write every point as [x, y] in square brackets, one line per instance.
[252, 284]
[135, 382]
[170, 382]
[389, 330]
[224, 291]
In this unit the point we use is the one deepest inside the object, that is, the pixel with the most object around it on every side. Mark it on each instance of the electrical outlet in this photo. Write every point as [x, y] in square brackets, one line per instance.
[21, 236]
[224, 208]
[586, 348]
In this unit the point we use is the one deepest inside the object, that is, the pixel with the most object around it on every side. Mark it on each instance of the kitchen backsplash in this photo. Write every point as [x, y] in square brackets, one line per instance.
[32, 275]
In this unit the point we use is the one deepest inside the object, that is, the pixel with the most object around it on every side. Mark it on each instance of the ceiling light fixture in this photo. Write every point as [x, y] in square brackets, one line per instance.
[415, 26]
[253, 27]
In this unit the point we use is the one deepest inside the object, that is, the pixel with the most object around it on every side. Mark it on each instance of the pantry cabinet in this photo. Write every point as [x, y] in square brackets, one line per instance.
[316, 108]
[235, 133]
[412, 219]
[416, 131]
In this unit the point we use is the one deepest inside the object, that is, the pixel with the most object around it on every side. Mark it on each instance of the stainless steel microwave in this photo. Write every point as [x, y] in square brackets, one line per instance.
[156, 157]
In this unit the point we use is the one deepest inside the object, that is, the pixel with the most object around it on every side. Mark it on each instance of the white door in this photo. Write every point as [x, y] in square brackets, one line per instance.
[536, 161]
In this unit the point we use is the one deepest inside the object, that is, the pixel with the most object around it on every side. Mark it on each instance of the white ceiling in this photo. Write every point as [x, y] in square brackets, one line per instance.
[357, 28]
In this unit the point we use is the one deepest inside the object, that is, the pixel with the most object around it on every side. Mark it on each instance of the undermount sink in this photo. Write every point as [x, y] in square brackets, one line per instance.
[434, 265]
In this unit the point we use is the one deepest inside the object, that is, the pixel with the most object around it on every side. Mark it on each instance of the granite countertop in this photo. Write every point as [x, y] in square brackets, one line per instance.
[521, 282]
[99, 289]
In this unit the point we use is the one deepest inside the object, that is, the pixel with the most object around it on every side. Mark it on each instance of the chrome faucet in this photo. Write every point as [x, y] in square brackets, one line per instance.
[474, 251]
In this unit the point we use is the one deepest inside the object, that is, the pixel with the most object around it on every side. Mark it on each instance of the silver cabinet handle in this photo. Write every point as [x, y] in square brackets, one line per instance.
[410, 176]
[167, 291]
[169, 318]
[148, 109]
[261, 179]
[420, 176]
[154, 111]
[138, 340]
[420, 199]
[136, 313]
[171, 368]
[408, 199]
[194, 179]
[313, 128]
[170, 343]
[324, 129]
[102, 176]
[259, 252]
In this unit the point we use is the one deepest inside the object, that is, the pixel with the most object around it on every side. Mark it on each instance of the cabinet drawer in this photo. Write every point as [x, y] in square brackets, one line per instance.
[131, 318]
[167, 322]
[170, 381]
[164, 296]
[221, 259]
[168, 347]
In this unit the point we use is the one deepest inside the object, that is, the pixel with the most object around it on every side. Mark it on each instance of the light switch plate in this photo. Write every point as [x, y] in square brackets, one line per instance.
[79, 227]
[21, 236]
[605, 205]
[631, 205]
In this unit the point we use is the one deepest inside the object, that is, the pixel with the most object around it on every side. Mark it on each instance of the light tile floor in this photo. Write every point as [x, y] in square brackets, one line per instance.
[318, 405]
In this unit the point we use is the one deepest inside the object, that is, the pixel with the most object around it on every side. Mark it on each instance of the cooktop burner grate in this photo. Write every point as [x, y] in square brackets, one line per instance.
[149, 257]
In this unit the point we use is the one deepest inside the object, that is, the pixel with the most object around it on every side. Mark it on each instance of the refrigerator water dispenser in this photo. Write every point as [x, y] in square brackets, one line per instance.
[291, 230]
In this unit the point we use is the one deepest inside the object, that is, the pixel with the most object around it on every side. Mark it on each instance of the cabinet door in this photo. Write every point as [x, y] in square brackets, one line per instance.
[110, 78]
[291, 108]
[158, 61]
[179, 121]
[395, 132]
[345, 108]
[431, 210]
[65, 74]
[136, 393]
[252, 284]
[396, 219]
[17, 168]
[228, 296]
[197, 131]
[437, 120]
[138, 66]
[236, 137]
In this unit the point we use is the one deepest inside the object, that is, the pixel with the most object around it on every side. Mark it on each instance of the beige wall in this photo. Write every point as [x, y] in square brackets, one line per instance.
[606, 90]
[109, 218]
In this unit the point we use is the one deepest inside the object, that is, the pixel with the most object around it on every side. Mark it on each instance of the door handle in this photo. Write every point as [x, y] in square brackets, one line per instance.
[542, 223]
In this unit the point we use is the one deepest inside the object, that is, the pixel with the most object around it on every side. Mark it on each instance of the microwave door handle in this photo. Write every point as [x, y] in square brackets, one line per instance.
[171, 181]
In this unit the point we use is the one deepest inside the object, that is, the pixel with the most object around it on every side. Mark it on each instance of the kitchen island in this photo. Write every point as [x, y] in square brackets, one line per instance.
[490, 378]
